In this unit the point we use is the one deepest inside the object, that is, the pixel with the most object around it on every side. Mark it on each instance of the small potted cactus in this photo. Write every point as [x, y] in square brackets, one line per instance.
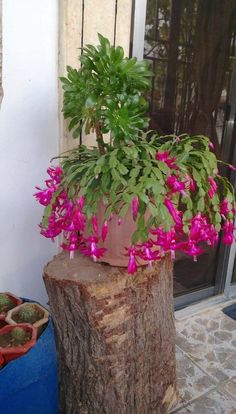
[8, 301]
[16, 340]
[28, 312]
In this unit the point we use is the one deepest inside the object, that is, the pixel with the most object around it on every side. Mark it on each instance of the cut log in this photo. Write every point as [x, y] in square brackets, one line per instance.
[115, 336]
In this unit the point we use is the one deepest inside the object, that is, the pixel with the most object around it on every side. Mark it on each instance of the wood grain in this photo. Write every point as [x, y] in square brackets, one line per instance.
[115, 336]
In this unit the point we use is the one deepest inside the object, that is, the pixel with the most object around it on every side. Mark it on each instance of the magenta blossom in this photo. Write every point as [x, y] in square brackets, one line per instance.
[213, 187]
[192, 249]
[135, 206]
[104, 230]
[232, 167]
[55, 173]
[146, 253]
[165, 157]
[91, 249]
[175, 185]
[71, 244]
[224, 207]
[95, 224]
[132, 265]
[228, 232]
[44, 196]
[173, 211]
[80, 202]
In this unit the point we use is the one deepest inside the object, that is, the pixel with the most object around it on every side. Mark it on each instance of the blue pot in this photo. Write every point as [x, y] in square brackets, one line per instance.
[29, 384]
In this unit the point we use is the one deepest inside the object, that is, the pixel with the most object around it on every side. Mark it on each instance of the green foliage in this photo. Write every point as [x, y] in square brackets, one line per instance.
[19, 334]
[27, 313]
[105, 94]
[132, 170]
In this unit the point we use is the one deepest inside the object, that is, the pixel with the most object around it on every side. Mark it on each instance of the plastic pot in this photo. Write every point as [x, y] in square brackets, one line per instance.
[17, 351]
[14, 299]
[39, 325]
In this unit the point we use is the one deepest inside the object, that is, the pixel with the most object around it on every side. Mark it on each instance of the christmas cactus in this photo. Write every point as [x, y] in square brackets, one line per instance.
[179, 200]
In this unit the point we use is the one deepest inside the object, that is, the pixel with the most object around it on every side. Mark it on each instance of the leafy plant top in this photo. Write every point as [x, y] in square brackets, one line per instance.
[105, 94]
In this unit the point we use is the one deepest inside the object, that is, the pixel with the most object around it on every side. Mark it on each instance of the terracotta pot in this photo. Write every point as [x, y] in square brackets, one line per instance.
[118, 237]
[39, 325]
[14, 299]
[14, 352]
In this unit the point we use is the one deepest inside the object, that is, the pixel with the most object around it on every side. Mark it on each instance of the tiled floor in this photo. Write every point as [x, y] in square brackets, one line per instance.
[206, 363]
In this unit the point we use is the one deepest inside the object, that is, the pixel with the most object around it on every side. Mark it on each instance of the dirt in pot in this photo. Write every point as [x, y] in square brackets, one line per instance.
[28, 313]
[6, 303]
[15, 338]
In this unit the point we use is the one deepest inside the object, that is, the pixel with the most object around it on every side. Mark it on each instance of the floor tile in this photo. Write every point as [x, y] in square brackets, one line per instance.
[230, 387]
[209, 339]
[211, 403]
[191, 380]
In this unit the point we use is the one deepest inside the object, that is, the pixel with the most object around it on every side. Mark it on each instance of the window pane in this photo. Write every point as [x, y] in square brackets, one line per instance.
[191, 47]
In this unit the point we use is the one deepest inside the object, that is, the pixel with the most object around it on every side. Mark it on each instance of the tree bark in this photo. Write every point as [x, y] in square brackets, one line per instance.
[115, 336]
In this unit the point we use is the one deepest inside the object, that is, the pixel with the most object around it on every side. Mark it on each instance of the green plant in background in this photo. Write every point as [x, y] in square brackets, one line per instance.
[174, 179]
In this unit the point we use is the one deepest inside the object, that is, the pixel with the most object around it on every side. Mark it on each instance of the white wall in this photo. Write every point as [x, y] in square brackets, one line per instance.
[28, 138]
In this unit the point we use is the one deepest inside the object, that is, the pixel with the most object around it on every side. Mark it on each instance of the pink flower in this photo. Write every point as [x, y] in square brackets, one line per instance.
[91, 249]
[211, 146]
[232, 167]
[213, 187]
[165, 157]
[132, 265]
[173, 211]
[135, 206]
[224, 207]
[119, 221]
[192, 184]
[175, 185]
[228, 232]
[162, 156]
[80, 202]
[78, 220]
[192, 250]
[147, 254]
[55, 173]
[71, 244]
[95, 224]
[104, 230]
[44, 196]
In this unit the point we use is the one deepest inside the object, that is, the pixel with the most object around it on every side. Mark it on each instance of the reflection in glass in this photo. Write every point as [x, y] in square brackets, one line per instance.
[191, 47]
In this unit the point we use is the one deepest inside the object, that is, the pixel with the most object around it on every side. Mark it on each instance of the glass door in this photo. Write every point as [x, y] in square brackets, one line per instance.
[191, 47]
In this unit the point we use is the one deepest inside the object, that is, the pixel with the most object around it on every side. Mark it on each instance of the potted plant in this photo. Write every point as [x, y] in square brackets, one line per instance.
[7, 302]
[28, 312]
[15, 341]
[134, 199]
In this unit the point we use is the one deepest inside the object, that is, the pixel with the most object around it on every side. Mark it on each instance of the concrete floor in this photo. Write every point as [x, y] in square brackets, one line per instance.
[206, 362]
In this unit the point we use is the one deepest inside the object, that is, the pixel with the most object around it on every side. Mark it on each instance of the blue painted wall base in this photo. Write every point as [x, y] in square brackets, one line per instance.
[29, 384]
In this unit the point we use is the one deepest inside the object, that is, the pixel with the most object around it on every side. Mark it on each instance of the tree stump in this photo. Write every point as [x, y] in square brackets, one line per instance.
[115, 336]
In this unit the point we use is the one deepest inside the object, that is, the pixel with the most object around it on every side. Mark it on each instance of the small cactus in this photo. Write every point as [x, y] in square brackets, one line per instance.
[5, 302]
[19, 335]
[27, 313]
